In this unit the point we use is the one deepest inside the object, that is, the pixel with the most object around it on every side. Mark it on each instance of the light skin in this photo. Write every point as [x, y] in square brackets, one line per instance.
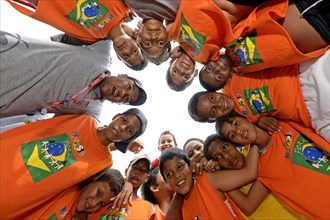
[152, 36]
[216, 73]
[119, 89]
[166, 141]
[137, 174]
[94, 196]
[182, 69]
[214, 105]
[122, 128]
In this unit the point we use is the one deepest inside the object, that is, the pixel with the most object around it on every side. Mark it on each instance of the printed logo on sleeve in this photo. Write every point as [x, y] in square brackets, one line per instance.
[47, 156]
[258, 100]
[194, 39]
[87, 12]
[245, 48]
[307, 154]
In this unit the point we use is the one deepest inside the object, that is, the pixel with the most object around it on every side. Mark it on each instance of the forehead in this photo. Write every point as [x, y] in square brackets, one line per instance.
[193, 145]
[141, 163]
[171, 163]
[166, 137]
[132, 119]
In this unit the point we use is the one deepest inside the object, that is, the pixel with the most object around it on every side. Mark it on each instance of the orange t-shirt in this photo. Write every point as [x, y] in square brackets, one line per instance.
[201, 30]
[261, 41]
[44, 158]
[87, 20]
[204, 203]
[297, 170]
[140, 209]
[273, 92]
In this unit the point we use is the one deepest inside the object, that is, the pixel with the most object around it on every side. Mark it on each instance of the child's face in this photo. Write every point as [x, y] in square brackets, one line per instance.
[152, 36]
[178, 175]
[239, 131]
[127, 50]
[123, 127]
[215, 74]
[94, 196]
[166, 141]
[120, 90]
[214, 105]
[226, 154]
[137, 173]
[182, 69]
[194, 148]
[163, 186]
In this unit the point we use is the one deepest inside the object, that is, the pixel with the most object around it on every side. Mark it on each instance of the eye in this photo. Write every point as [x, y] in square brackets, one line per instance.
[130, 87]
[147, 44]
[125, 58]
[98, 194]
[199, 147]
[130, 131]
[123, 119]
[190, 154]
[235, 122]
[209, 69]
[231, 135]
[180, 166]
[186, 77]
[135, 51]
[225, 146]
[174, 71]
[217, 157]
[169, 175]
[160, 43]
[211, 98]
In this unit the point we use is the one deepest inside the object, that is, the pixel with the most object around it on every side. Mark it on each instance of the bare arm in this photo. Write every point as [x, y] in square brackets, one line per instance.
[250, 202]
[227, 180]
[174, 211]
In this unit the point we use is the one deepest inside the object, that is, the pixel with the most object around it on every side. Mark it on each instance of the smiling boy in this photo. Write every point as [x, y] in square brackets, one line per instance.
[204, 198]
[61, 78]
[51, 155]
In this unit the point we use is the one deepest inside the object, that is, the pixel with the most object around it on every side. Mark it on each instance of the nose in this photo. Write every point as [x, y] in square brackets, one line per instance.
[239, 132]
[122, 128]
[153, 36]
[93, 202]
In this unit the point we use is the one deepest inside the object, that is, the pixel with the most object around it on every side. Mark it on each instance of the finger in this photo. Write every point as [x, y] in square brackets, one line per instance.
[130, 200]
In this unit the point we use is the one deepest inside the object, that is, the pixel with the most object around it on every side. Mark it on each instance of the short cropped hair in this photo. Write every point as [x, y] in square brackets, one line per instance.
[176, 87]
[146, 192]
[167, 132]
[139, 66]
[109, 175]
[169, 154]
[192, 139]
[208, 142]
[192, 107]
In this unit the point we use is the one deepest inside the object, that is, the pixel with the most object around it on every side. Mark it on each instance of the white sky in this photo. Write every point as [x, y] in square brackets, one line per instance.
[164, 108]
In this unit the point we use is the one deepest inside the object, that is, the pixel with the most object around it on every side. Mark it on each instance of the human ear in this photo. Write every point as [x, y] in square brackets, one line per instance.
[153, 188]
[196, 73]
[124, 75]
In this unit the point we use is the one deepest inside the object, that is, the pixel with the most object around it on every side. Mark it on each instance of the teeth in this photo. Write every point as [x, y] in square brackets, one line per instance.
[180, 183]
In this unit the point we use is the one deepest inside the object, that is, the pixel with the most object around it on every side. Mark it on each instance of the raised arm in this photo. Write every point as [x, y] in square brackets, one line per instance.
[174, 211]
[227, 180]
[250, 202]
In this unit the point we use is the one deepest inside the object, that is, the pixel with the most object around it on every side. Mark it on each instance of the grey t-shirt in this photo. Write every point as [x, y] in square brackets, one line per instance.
[35, 73]
[157, 9]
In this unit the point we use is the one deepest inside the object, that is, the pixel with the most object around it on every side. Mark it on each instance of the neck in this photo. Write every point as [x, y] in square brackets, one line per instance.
[135, 195]
[164, 202]
[263, 138]
[116, 32]
[101, 134]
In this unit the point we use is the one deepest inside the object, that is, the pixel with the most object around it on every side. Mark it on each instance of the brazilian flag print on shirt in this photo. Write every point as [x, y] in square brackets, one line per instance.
[87, 12]
[194, 39]
[258, 100]
[47, 156]
[307, 154]
[245, 48]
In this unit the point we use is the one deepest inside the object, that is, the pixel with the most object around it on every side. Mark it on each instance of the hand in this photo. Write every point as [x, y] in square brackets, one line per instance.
[269, 124]
[197, 164]
[129, 17]
[125, 195]
[212, 166]
[136, 146]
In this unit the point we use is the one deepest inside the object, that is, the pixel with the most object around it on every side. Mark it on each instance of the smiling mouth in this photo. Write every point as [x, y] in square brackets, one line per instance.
[114, 92]
[181, 183]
